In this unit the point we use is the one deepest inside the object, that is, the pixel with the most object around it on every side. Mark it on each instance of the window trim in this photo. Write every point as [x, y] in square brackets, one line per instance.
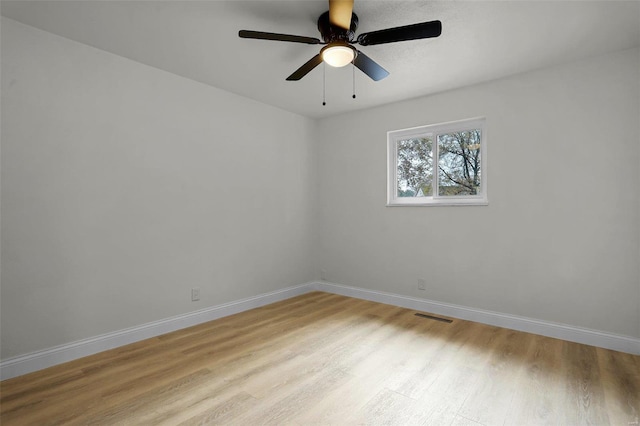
[433, 130]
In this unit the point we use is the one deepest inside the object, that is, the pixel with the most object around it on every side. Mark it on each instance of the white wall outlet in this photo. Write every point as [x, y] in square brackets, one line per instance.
[323, 275]
[422, 284]
[195, 294]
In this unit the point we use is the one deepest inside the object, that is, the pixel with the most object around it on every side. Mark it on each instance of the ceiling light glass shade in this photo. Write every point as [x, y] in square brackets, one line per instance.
[338, 56]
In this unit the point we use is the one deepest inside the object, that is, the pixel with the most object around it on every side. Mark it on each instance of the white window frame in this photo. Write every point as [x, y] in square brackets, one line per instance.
[432, 131]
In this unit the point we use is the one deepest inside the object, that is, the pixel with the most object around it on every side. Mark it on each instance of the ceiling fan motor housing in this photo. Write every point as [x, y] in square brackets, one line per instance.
[331, 33]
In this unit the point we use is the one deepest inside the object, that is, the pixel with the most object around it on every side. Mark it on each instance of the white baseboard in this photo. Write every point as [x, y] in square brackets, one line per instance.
[513, 322]
[38, 360]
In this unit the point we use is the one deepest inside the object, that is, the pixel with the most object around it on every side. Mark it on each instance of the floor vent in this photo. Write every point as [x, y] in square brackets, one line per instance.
[434, 318]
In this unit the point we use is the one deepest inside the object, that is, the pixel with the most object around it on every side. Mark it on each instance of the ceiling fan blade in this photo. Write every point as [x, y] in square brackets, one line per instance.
[340, 13]
[306, 68]
[260, 35]
[407, 32]
[369, 67]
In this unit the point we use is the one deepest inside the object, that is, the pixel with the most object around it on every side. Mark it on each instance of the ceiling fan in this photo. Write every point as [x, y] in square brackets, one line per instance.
[337, 28]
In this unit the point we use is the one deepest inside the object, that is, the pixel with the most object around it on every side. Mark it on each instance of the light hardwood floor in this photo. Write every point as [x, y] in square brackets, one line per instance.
[327, 359]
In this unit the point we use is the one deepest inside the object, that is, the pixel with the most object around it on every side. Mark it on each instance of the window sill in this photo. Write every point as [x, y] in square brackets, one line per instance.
[439, 202]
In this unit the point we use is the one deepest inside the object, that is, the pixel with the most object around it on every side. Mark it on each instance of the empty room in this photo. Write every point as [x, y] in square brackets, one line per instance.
[320, 212]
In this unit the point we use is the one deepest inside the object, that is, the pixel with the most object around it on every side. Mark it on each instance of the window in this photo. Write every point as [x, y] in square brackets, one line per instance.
[441, 164]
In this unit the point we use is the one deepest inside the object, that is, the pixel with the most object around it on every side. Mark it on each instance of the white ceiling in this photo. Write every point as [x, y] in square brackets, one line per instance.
[480, 41]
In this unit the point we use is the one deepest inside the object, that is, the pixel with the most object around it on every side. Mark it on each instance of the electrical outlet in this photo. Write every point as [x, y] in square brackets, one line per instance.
[195, 294]
[422, 284]
[323, 274]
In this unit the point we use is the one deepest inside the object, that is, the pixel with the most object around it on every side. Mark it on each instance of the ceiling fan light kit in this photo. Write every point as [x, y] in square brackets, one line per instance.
[338, 54]
[337, 27]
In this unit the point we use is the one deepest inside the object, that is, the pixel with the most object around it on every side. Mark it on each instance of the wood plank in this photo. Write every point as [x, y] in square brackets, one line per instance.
[620, 377]
[584, 392]
[539, 389]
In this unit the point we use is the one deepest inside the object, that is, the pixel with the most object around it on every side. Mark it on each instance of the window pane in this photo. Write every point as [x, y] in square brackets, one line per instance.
[459, 163]
[415, 167]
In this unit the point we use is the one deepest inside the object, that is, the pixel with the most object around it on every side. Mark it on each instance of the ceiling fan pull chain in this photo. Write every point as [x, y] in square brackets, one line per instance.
[353, 68]
[324, 84]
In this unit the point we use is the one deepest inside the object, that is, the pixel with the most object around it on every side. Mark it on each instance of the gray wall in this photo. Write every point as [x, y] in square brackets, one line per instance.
[560, 238]
[123, 186]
